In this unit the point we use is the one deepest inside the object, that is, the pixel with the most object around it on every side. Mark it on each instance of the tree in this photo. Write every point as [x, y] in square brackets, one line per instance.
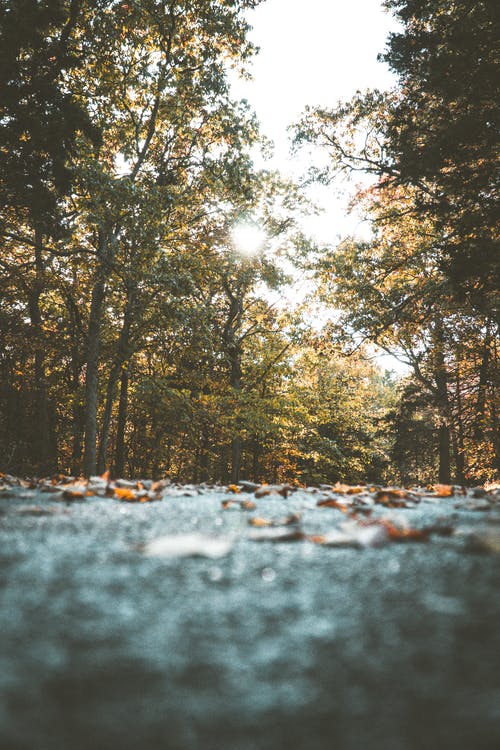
[434, 135]
[442, 130]
[40, 123]
[391, 291]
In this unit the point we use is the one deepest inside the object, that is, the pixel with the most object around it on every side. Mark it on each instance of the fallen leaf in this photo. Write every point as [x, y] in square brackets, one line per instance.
[125, 494]
[392, 498]
[242, 504]
[354, 535]
[37, 510]
[398, 534]
[443, 490]
[331, 503]
[246, 486]
[188, 545]
[276, 534]
[75, 492]
[280, 522]
[274, 489]
[247, 505]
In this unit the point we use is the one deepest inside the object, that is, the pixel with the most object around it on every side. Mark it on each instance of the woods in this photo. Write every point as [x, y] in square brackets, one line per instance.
[138, 337]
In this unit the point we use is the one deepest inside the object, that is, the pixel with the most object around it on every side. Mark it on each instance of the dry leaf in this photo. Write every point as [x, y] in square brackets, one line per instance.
[392, 498]
[125, 494]
[242, 504]
[443, 490]
[403, 534]
[75, 492]
[287, 521]
[188, 545]
[276, 534]
[331, 503]
[353, 535]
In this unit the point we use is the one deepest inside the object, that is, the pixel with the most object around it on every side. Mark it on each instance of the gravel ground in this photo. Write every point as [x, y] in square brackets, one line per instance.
[275, 645]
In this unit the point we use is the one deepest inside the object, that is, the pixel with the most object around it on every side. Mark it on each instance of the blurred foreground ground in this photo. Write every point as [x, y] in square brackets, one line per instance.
[276, 645]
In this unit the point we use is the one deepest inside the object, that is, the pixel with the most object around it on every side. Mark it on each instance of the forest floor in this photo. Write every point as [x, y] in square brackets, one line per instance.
[163, 616]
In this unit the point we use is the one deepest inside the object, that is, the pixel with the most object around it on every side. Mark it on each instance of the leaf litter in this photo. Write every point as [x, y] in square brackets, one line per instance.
[357, 503]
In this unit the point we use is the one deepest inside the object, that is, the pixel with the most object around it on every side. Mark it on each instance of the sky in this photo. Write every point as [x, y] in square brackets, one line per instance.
[315, 52]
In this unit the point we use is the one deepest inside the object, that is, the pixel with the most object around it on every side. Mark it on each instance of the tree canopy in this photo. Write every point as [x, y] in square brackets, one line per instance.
[138, 338]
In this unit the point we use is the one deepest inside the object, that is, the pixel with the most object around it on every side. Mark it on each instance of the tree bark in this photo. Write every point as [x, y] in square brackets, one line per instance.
[443, 405]
[458, 436]
[93, 345]
[122, 355]
[479, 428]
[43, 454]
[119, 467]
[233, 350]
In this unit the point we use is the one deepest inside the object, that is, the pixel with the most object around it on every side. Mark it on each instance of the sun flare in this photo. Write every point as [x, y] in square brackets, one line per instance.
[248, 238]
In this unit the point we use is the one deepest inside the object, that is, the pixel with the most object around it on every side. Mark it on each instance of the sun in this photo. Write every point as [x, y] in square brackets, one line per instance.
[248, 238]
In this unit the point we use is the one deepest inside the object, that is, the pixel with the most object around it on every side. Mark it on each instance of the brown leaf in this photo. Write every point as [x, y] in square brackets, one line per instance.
[279, 522]
[443, 490]
[247, 504]
[123, 493]
[243, 504]
[392, 498]
[403, 535]
[331, 503]
[74, 493]
[276, 534]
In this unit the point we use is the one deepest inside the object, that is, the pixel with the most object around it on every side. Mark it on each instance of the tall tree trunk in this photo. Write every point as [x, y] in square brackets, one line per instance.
[458, 436]
[256, 453]
[233, 349]
[77, 410]
[119, 468]
[443, 405]
[93, 345]
[236, 443]
[43, 456]
[122, 354]
[479, 428]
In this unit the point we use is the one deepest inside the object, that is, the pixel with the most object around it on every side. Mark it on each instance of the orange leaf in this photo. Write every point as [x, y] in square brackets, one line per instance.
[260, 522]
[73, 494]
[443, 490]
[329, 503]
[233, 488]
[124, 494]
[391, 497]
[404, 535]
[248, 505]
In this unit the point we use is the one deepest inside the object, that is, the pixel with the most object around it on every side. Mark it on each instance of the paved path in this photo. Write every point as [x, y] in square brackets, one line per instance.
[275, 645]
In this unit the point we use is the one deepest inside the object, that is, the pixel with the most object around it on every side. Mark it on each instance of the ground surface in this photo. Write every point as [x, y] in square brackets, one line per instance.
[276, 645]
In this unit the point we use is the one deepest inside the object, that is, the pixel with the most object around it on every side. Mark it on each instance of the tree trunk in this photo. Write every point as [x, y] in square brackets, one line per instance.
[93, 343]
[122, 354]
[236, 443]
[443, 405]
[119, 468]
[458, 436]
[444, 475]
[233, 349]
[479, 428]
[256, 453]
[43, 456]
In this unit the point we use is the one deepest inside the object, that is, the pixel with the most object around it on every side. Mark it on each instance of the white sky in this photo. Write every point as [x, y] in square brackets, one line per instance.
[315, 52]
